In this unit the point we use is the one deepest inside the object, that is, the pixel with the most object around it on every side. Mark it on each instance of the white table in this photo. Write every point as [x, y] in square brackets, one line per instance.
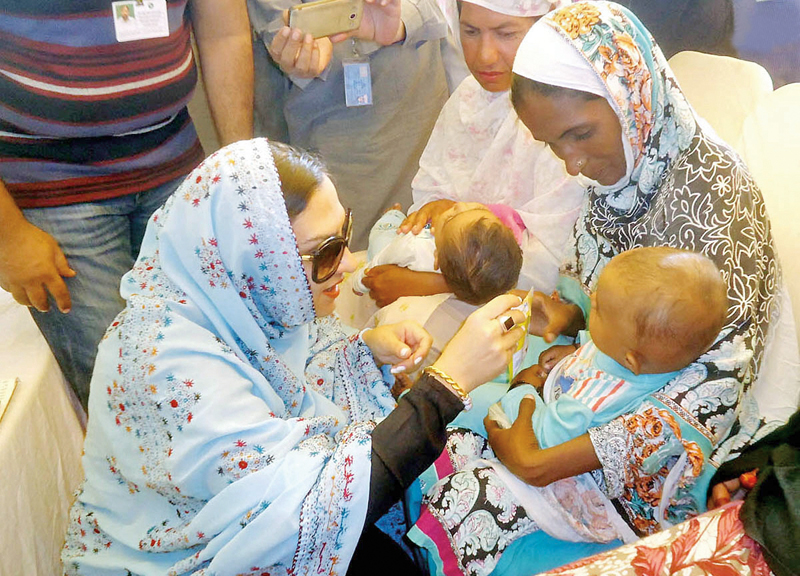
[41, 440]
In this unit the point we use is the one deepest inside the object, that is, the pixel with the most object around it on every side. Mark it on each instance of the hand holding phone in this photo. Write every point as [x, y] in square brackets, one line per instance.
[375, 20]
[298, 54]
[381, 22]
[327, 17]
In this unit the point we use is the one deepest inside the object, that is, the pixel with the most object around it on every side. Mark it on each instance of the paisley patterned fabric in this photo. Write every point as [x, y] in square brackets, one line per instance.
[229, 431]
[474, 510]
[687, 189]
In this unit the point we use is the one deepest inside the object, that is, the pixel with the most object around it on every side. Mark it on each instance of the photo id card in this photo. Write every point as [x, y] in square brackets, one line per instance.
[357, 83]
[140, 19]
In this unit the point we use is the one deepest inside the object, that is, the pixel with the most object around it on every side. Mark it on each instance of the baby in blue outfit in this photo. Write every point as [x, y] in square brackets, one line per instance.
[655, 310]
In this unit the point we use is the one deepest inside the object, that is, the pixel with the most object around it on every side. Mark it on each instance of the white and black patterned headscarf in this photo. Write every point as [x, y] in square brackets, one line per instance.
[683, 188]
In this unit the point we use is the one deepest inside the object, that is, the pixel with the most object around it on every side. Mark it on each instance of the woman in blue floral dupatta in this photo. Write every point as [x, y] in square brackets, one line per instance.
[231, 420]
[591, 84]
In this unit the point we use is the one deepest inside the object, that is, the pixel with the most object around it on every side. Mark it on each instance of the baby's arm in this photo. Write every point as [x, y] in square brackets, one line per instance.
[560, 420]
[534, 375]
[383, 233]
[381, 236]
[553, 422]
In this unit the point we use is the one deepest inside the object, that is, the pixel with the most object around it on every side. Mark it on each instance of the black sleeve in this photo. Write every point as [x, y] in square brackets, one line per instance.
[408, 441]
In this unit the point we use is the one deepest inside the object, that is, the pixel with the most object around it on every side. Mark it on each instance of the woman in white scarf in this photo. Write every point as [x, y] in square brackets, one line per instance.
[479, 151]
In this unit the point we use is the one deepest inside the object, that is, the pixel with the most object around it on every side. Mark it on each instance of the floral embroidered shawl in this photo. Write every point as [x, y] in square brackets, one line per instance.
[229, 431]
[685, 188]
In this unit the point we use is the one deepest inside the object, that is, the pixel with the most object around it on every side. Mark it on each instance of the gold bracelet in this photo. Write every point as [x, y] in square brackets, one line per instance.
[439, 375]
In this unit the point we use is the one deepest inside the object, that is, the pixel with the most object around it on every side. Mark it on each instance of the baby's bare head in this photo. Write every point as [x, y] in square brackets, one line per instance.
[675, 301]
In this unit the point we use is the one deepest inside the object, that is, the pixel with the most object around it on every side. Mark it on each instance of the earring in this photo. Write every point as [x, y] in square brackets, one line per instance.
[579, 164]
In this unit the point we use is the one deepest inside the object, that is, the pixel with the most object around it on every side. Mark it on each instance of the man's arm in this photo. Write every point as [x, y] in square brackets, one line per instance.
[31, 262]
[224, 42]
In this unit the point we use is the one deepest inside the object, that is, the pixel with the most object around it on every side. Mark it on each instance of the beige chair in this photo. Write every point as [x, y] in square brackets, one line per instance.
[770, 145]
[721, 89]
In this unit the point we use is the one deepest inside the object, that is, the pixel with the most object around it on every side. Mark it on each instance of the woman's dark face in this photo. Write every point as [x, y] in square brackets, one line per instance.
[585, 134]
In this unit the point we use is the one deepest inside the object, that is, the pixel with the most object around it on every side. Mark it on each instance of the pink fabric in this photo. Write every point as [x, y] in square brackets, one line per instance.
[510, 218]
[433, 529]
[443, 465]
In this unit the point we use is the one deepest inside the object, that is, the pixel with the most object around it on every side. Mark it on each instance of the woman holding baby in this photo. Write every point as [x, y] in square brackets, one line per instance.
[590, 83]
[479, 151]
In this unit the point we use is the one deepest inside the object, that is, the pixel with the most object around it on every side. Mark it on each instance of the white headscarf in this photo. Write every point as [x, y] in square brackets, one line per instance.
[564, 66]
[524, 8]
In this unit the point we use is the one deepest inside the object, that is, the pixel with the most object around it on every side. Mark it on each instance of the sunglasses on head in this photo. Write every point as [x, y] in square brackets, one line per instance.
[326, 258]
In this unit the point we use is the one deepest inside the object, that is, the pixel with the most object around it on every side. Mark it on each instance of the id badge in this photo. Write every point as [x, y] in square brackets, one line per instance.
[140, 19]
[357, 82]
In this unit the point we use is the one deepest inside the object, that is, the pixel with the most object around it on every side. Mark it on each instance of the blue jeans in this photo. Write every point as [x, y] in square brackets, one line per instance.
[101, 241]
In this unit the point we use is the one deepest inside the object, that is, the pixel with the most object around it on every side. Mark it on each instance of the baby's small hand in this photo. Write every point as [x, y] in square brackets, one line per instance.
[533, 375]
[395, 206]
[553, 355]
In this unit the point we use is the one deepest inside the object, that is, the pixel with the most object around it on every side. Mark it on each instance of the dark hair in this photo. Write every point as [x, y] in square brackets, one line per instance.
[300, 173]
[480, 261]
[521, 87]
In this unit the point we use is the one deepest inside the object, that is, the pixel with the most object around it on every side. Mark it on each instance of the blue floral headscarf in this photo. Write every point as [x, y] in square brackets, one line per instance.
[229, 430]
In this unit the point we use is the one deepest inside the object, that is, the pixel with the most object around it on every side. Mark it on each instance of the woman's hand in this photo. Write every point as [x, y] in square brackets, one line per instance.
[553, 356]
[416, 221]
[299, 54]
[518, 449]
[403, 345]
[389, 282]
[550, 316]
[481, 348]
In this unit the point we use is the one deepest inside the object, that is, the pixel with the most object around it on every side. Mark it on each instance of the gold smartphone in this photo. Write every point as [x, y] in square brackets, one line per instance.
[326, 17]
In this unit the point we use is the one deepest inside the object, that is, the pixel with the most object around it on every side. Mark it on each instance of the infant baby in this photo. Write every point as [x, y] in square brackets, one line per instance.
[655, 311]
[476, 253]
